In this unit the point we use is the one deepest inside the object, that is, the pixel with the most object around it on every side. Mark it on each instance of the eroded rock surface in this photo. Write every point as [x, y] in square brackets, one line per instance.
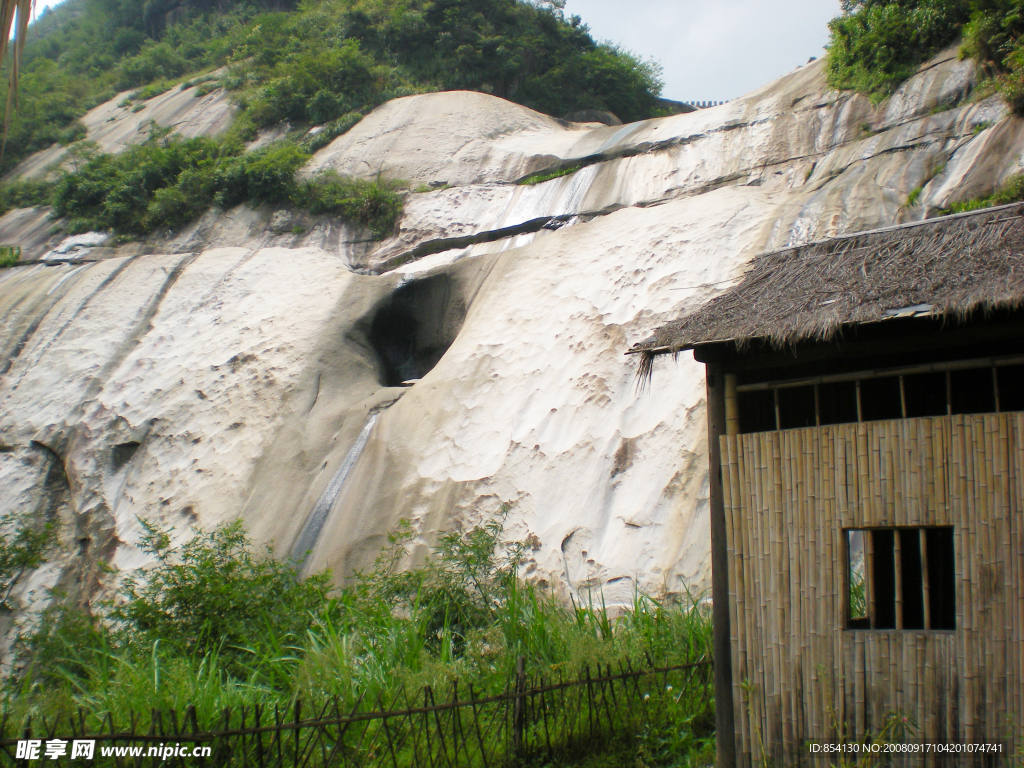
[230, 369]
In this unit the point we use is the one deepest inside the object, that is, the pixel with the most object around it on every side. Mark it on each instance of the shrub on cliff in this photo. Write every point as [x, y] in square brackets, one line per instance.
[23, 544]
[375, 204]
[167, 182]
[316, 62]
[877, 44]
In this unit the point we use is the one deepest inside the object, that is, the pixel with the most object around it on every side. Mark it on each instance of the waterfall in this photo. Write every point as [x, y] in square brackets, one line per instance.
[315, 523]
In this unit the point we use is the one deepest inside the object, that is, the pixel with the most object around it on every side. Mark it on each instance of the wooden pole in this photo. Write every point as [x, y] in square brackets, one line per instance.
[518, 719]
[724, 715]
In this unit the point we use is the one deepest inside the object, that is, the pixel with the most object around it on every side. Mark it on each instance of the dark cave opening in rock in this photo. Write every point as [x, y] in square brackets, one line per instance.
[413, 329]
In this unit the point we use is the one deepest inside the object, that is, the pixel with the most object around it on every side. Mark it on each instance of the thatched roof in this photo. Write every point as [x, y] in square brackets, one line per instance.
[948, 266]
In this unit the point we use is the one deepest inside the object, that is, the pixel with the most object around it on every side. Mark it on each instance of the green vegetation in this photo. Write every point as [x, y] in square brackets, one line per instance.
[23, 546]
[218, 623]
[876, 44]
[542, 176]
[915, 193]
[23, 193]
[166, 182]
[1011, 192]
[375, 204]
[325, 61]
[9, 257]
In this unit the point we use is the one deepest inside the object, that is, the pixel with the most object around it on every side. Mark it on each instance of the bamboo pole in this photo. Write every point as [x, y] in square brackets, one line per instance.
[733, 504]
[1017, 545]
[751, 655]
[732, 406]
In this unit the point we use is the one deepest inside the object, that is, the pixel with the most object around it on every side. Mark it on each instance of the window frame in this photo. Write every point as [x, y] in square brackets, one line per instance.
[948, 368]
[871, 597]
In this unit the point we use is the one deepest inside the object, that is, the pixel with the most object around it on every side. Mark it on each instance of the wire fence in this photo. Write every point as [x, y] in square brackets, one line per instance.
[534, 718]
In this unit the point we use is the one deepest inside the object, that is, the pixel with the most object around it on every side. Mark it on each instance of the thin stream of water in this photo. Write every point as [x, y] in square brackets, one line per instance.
[314, 526]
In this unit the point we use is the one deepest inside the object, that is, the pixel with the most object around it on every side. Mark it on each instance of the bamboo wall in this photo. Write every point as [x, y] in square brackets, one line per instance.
[799, 676]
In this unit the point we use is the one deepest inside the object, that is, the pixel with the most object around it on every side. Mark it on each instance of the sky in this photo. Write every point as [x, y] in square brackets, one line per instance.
[711, 50]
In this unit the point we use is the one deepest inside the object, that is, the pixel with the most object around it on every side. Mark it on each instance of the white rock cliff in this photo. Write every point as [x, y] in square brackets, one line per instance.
[233, 369]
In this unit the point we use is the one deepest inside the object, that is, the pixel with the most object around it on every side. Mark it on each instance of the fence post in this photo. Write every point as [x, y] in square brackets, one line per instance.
[519, 716]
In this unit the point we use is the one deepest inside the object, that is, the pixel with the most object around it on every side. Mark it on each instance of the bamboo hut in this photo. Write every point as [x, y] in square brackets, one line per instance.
[866, 416]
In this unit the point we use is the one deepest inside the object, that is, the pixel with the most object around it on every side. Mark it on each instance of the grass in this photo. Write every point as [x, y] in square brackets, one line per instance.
[912, 198]
[541, 176]
[1011, 192]
[376, 204]
[9, 255]
[219, 623]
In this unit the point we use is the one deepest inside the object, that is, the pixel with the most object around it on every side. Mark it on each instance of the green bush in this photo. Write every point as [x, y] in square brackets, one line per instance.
[76, 131]
[217, 592]
[266, 175]
[877, 44]
[375, 204]
[23, 544]
[10, 255]
[167, 182]
[318, 63]
[24, 193]
[127, 193]
[330, 132]
[1011, 192]
[217, 623]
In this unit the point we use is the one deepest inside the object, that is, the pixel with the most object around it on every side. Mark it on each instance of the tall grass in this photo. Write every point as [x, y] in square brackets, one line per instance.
[1011, 191]
[219, 623]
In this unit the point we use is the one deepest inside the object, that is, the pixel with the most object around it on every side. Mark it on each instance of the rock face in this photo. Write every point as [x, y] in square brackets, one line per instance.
[232, 369]
[119, 122]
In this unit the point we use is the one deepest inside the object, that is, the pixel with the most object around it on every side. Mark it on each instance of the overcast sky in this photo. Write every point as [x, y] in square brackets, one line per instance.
[711, 50]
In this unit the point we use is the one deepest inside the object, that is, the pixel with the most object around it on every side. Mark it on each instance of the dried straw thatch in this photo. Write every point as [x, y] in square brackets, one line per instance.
[948, 266]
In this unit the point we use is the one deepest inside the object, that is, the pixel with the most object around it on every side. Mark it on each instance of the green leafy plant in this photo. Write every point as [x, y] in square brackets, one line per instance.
[541, 176]
[330, 132]
[216, 622]
[24, 193]
[168, 181]
[317, 63]
[375, 204]
[876, 44]
[10, 255]
[215, 592]
[23, 548]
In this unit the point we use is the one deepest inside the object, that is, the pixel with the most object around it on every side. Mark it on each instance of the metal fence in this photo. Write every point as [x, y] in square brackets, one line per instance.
[534, 718]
